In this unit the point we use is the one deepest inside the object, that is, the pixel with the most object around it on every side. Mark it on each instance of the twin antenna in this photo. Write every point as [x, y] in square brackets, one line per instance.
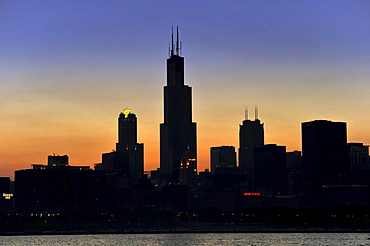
[172, 49]
[255, 113]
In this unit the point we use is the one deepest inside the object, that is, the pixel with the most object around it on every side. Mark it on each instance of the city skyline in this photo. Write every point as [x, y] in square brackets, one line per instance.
[68, 69]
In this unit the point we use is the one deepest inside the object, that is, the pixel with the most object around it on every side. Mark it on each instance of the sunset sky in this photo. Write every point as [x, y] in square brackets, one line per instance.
[68, 68]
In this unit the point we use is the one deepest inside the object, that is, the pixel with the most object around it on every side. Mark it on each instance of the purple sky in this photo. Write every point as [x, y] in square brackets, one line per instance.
[68, 68]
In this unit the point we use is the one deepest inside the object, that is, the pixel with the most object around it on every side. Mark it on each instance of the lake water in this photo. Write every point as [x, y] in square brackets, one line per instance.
[245, 239]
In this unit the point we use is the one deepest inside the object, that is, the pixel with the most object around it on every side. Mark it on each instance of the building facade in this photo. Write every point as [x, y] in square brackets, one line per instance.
[222, 157]
[270, 173]
[251, 136]
[177, 132]
[59, 188]
[324, 155]
[358, 156]
[128, 157]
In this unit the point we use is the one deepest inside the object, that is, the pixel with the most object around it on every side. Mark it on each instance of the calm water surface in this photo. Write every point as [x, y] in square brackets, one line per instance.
[255, 239]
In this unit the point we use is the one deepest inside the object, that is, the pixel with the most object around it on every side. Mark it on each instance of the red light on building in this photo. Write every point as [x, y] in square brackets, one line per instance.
[251, 194]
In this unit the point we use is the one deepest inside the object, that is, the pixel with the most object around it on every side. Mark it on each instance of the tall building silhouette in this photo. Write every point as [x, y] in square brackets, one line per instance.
[129, 155]
[222, 157]
[324, 155]
[177, 132]
[270, 176]
[324, 147]
[358, 156]
[59, 187]
[251, 136]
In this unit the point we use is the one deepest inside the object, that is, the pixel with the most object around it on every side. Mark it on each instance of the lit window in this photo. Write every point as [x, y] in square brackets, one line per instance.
[7, 196]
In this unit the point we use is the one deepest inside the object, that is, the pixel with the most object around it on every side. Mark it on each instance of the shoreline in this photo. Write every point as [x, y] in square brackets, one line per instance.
[46, 233]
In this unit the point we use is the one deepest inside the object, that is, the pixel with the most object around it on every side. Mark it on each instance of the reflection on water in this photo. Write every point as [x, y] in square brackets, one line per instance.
[273, 239]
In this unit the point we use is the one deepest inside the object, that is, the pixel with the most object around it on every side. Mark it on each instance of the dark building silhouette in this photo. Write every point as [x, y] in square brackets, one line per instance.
[223, 157]
[58, 161]
[270, 174]
[62, 188]
[324, 154]
[358, 156]
[294, 159]
[129, 155]
[188, 170]
[324, 147]
[351, 187]
[251, 136]
[351, 184]
[124, 167]
[294, 169]
[177, 132]
[6, 195]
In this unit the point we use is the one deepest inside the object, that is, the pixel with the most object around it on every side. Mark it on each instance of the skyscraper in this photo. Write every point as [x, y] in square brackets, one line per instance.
[270, 176]
[129, 155]
[358, 156]
[222, 157]
[324, 156]
[177, 132]
[251, 136]
[324, 147]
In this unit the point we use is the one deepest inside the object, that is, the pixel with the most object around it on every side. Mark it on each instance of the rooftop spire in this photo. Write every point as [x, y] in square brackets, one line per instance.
[175, 47]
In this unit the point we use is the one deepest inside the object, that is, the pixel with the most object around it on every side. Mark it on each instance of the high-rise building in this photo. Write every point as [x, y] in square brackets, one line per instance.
[270, 175]
[358, 156]
[177, 132]
[222, 157]
[56, 188]
[324, 155]
[324, 147]
[129, 155]
[251, 136]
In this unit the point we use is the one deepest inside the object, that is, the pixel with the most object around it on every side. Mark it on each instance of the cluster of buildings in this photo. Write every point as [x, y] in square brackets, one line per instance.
[328, 172]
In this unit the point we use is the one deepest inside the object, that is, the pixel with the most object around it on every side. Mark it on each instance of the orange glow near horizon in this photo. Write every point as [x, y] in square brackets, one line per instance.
[68, 70]
[86, 148]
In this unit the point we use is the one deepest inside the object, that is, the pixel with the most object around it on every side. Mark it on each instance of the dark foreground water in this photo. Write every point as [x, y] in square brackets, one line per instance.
[248, 239]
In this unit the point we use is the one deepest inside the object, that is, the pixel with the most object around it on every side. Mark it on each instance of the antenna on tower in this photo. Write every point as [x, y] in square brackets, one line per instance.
[256, 113]
[246, 113]
[172, 42]
[175, 48]
[177, 40]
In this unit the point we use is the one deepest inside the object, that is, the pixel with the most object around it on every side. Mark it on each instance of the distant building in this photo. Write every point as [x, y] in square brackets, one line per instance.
[251, 136]
[324, 154]
[358, 156]
[124, 167]
[223, 157]
[294, 159]
[58, 161]
[129, 155]
[345, 188]
[324, 147]
[177, 132]
[6, 195]
[270, 173]
[294, 169]
[62, 188]
[188, 170]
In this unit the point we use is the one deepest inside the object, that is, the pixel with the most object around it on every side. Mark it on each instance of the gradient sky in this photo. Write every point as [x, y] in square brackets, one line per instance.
[68, 68]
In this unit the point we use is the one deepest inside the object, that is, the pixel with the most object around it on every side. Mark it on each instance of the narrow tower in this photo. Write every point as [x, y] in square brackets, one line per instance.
[177, 132]
[129, 155]
[251, 136]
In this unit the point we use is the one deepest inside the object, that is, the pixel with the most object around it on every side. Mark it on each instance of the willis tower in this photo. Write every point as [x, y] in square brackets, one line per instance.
[177, 132]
